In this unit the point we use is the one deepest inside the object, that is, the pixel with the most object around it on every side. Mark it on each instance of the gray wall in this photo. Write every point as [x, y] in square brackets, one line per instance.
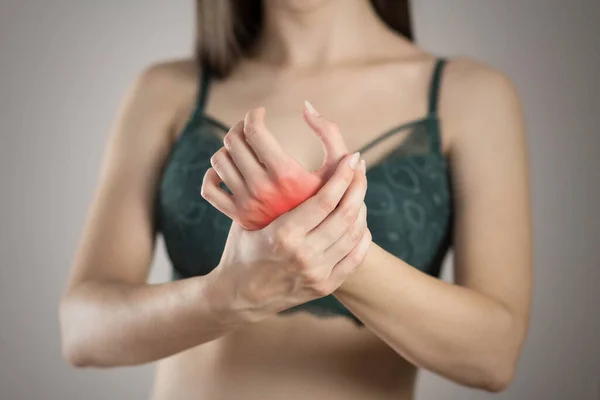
[63, 68]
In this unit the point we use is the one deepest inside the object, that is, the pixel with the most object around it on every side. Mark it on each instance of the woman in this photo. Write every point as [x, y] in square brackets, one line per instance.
[318, 289]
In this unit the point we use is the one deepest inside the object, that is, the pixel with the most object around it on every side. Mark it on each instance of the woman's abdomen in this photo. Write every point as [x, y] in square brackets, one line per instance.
[296, 356]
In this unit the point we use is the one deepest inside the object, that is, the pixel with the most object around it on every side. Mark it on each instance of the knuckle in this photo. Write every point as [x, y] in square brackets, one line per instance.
[246, 206]
[356, 234]
[347, 176]
[255, 190]
[289, 178]
[204, 193]
[229, 139]
[349, 214]
[331, 127]
[304, 258]
[285, 239]
[358, 229]
[311, 278]
[204, 189]
[356, 258]
[326, 203]
[251, 131]
[359, 256]
[260, 189]
[205, 182]
[270, 238]
[284, 177]
[217, 159]
[323, 288]
[363, 211]
[287, 188]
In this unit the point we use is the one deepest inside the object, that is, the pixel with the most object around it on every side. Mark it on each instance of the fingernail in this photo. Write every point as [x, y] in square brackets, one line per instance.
[354, 160]
[310, 108]
[363, 166]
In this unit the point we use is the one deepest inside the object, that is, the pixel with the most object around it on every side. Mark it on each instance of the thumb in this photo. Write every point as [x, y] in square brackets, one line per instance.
[333, 143]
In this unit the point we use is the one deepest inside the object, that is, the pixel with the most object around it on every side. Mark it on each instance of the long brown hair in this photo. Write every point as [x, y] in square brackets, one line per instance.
[227, 29]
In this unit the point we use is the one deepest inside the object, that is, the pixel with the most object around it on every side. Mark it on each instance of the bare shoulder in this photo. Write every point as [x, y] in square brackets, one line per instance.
[475, 95]
[469, 79]
[170, 75]
[165, 91]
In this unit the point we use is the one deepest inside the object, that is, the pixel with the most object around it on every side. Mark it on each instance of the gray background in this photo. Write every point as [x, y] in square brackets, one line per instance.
[64, 66]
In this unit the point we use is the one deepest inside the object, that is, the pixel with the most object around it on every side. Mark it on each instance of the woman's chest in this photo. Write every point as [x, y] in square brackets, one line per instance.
[364, 105]
[408, 202]
[408, 196]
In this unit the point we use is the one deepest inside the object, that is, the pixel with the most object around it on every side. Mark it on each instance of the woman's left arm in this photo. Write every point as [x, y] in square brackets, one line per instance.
[472, 331]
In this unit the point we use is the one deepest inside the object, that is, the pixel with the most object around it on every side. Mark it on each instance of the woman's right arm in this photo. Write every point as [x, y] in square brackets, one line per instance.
[109, 315]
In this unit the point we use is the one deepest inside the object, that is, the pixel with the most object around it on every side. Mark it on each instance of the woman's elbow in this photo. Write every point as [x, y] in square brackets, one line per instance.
[74, 355]
[498, 378]
[498, 366]
[73, 336]
[494, 374]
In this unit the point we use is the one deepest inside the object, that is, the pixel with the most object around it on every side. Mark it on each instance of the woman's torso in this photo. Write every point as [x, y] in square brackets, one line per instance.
[301, 355]
[296, 356]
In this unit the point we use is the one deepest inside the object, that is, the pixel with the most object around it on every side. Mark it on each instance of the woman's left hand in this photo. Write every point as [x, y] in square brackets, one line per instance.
[264, 180]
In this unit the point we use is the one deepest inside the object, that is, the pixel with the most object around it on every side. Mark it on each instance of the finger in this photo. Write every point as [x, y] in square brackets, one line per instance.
[348, 264]
[348, 240]
[224, 166]
[344, 217]
[265, 146]
[217, 197]
[244, 158]
[333, 143]
[313, 211]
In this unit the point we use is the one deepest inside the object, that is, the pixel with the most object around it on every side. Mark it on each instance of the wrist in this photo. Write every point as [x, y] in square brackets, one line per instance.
[219, 295]
[354, 282]
[347, 287]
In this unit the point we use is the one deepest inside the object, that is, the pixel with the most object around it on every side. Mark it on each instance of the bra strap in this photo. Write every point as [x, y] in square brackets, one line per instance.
[203, 88]
[434, 88]
[201, 96]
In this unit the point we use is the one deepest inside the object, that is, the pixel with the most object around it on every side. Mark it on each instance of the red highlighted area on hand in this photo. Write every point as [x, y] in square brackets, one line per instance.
[260, 210]
[265, 182]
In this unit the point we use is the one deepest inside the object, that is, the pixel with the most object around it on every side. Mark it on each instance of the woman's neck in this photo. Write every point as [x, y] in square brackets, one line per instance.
[319, 33]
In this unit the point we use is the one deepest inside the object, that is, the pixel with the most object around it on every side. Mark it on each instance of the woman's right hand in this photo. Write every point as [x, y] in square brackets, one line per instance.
[302, 255]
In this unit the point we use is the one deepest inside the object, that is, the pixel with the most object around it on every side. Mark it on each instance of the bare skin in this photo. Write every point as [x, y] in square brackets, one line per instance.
[366, 80]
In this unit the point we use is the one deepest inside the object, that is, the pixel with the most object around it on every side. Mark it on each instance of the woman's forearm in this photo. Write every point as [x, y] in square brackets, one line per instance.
[451, 330]
[107, 324]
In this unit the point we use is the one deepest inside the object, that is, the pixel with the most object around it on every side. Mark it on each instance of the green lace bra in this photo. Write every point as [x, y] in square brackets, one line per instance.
[409, 204]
